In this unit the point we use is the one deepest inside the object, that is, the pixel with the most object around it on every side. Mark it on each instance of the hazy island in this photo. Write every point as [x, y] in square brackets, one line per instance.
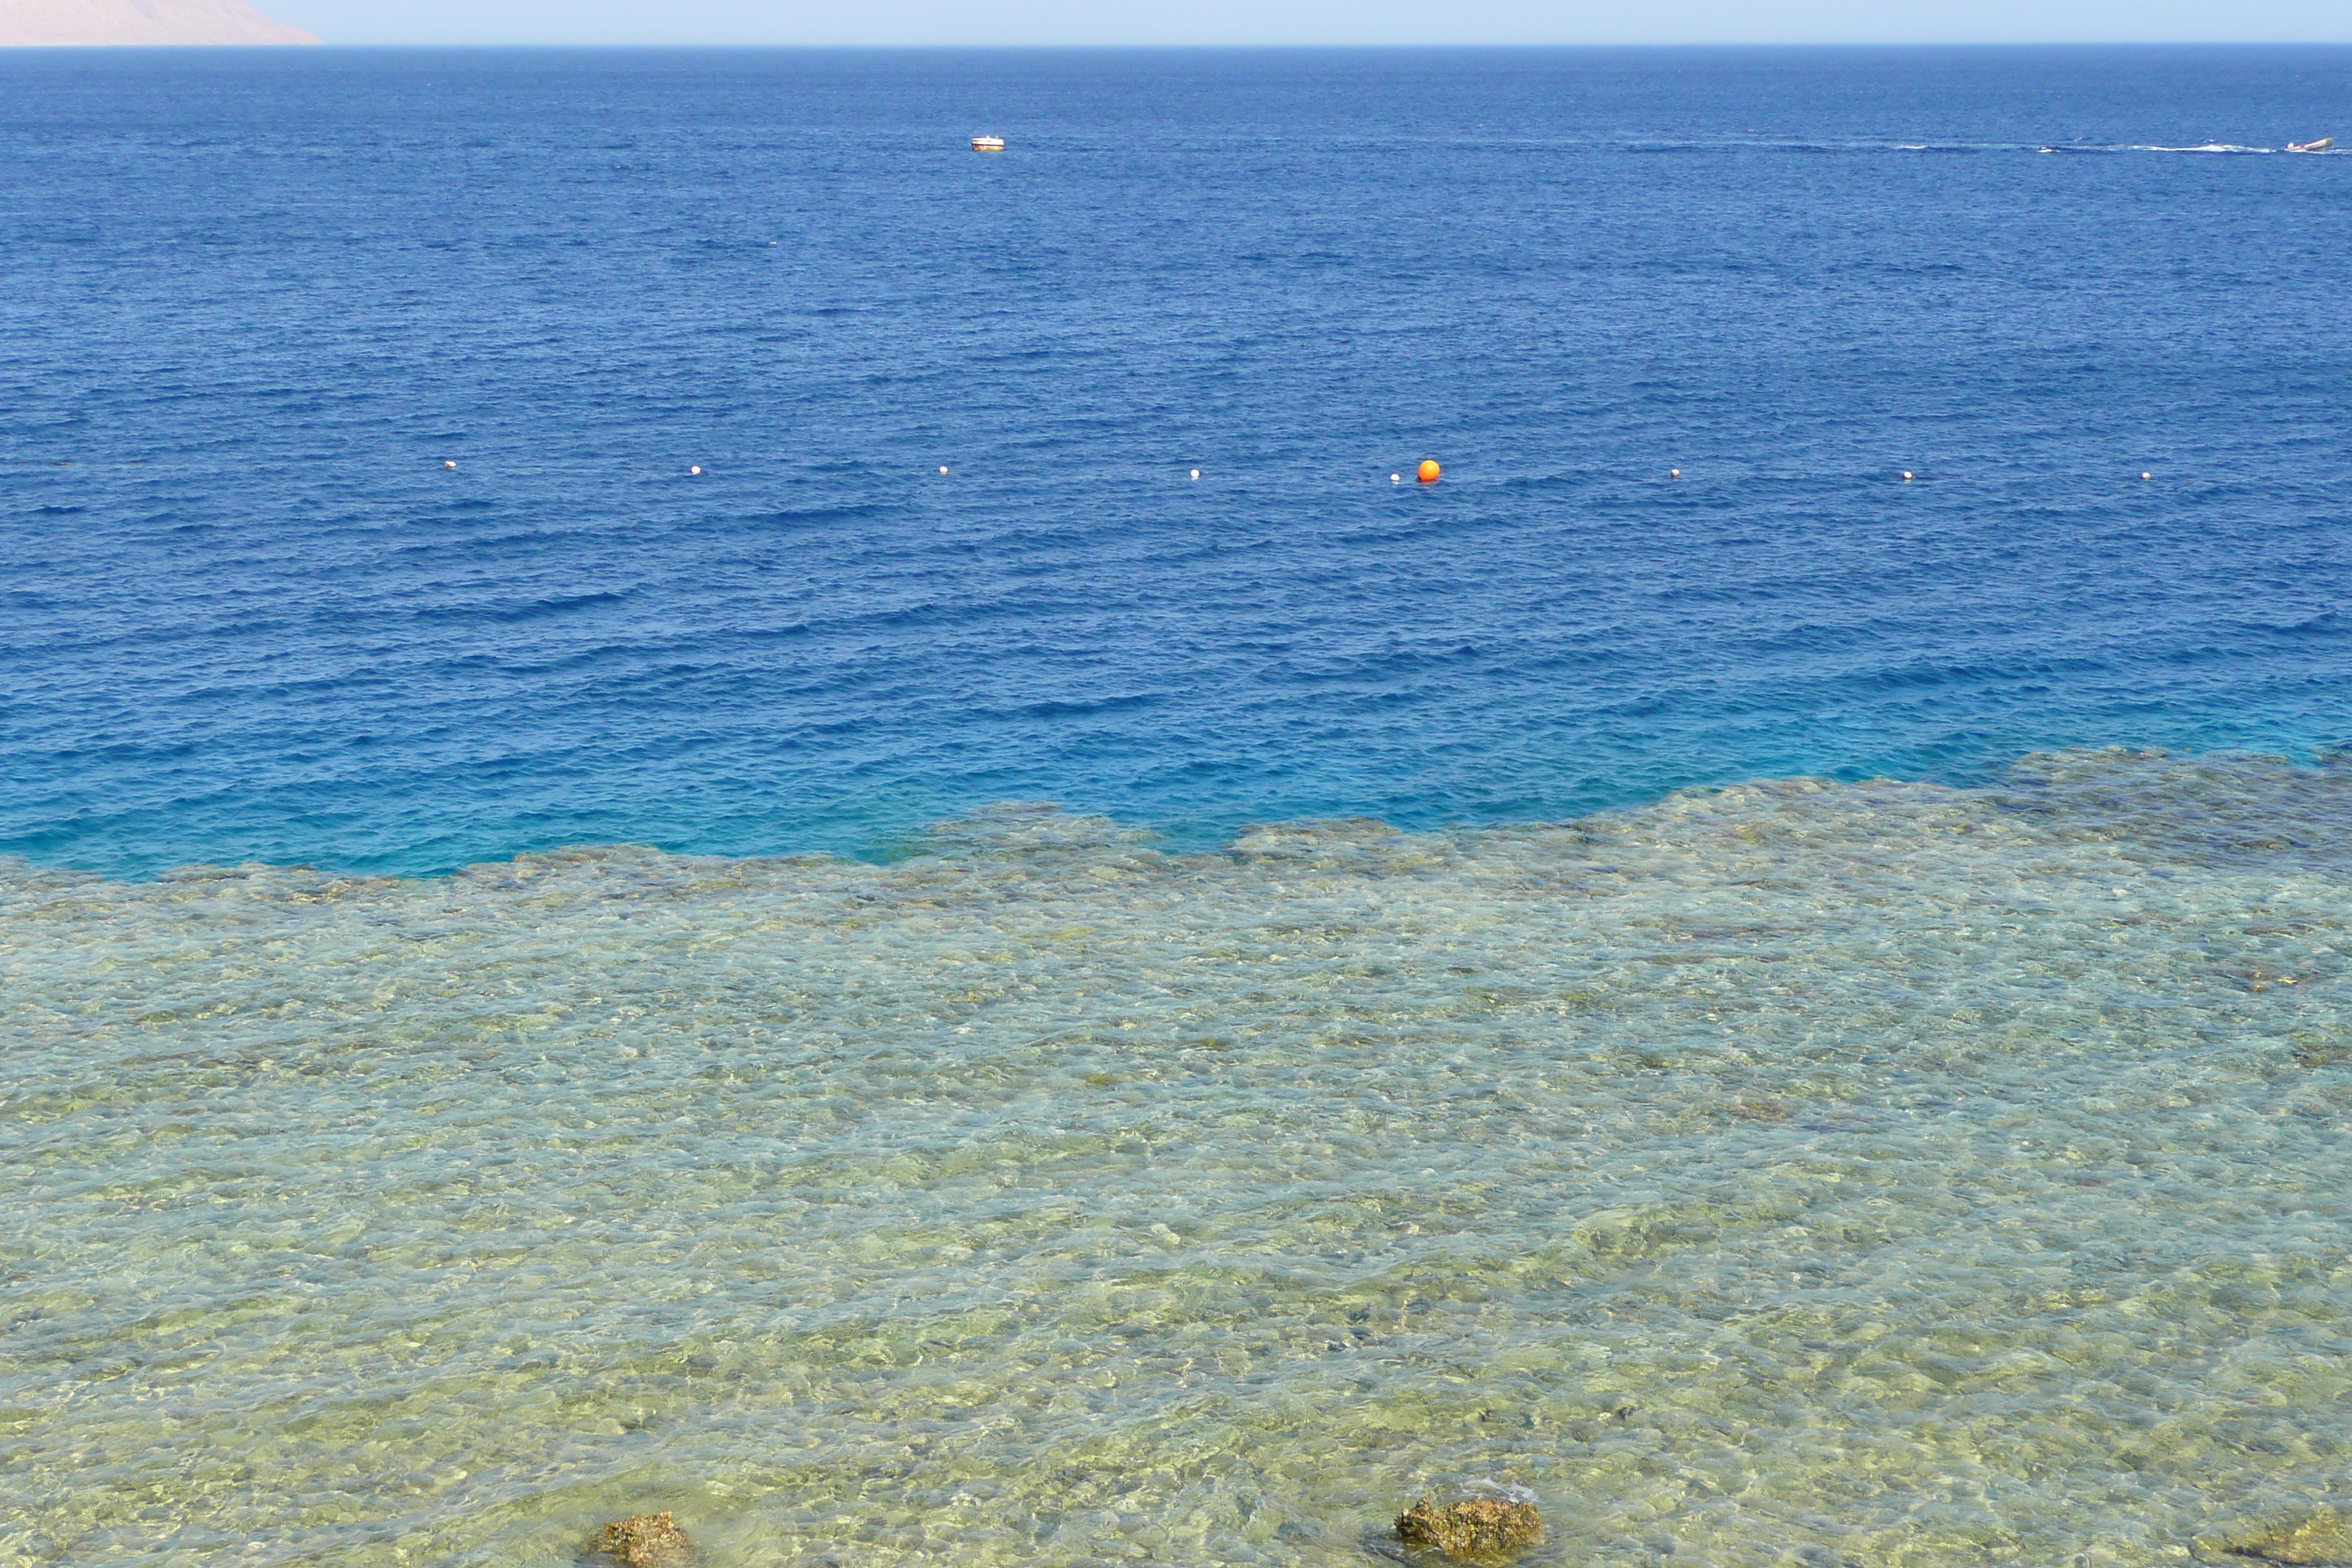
[82, 22]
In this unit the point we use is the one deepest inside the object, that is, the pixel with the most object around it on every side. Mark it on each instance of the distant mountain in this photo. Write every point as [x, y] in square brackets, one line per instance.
[140, 22]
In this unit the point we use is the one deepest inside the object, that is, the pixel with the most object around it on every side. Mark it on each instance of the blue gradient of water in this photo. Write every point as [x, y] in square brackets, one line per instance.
[256, 301]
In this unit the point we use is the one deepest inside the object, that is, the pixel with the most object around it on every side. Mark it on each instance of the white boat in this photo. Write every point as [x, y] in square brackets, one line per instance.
[2321, 145]
[988, 144]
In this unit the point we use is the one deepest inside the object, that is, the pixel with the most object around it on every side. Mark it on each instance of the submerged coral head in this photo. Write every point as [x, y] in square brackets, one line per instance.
[645, 1540]
[1474, 1528]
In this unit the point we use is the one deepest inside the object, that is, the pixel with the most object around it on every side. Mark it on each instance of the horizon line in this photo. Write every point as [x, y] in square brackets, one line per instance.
[1456, 46]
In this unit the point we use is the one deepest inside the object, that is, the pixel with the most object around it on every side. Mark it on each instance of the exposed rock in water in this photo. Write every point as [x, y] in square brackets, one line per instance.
[1475, 1527]
[645, 1540]
[2322, 1540]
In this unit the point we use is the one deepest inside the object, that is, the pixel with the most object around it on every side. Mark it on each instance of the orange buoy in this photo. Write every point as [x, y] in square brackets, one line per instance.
[1428, 471]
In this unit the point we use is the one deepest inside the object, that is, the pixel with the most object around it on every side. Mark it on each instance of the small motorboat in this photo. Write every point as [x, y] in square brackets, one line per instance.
[988, 144]
[2321, 145]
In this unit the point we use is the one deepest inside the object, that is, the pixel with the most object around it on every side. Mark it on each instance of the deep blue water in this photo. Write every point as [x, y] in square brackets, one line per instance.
[255, 300]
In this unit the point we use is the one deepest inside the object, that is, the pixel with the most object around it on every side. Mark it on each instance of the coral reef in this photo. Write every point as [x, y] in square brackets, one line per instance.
[1473, 1526]
[2322, 1540]
[645, 1540]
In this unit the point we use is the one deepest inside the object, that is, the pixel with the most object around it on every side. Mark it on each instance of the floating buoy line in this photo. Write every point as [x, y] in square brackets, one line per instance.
[1426, 471]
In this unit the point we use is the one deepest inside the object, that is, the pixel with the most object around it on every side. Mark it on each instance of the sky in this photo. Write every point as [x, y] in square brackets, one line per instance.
[1068, 22]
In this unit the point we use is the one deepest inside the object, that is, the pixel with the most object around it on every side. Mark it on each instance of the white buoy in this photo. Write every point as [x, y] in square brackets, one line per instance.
[449, 463]
[696, 470]
[1196, 473]
[1396, 478]
[2147, 475]
[1907, 476]
[944, 467]
[1673, 473]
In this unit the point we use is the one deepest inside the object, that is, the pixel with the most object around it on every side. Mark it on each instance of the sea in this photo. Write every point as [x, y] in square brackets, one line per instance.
[708, 805]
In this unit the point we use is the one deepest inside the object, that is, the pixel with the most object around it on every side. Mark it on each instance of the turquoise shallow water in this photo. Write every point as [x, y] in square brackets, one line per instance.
[1801, 1172]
